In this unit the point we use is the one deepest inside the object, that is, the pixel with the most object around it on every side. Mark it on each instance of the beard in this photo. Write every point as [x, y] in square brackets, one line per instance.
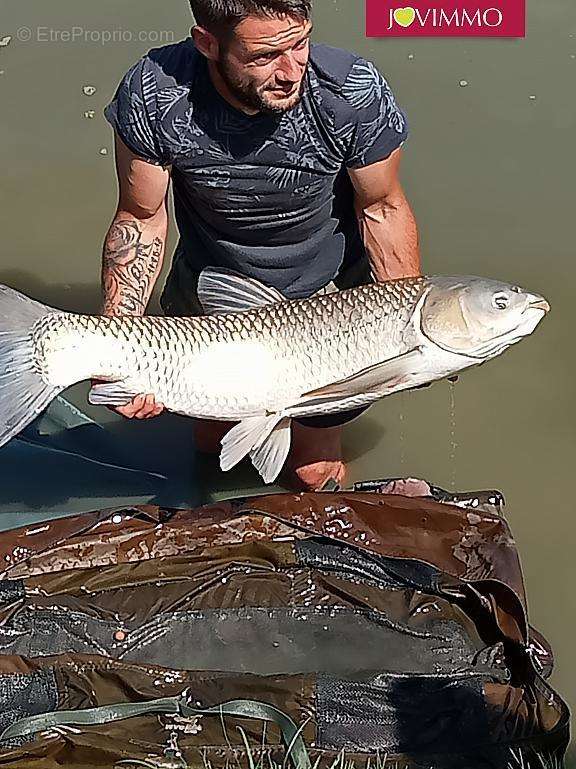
[257, 97]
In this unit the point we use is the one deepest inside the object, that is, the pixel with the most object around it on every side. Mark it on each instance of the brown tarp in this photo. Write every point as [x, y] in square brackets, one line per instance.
[466, 544]
[145, 602]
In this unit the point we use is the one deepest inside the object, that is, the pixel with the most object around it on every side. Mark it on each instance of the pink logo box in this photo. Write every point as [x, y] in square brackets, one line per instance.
[446, 18]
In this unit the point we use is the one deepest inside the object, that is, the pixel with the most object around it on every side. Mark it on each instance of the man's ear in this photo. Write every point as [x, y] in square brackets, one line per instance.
[206, 43]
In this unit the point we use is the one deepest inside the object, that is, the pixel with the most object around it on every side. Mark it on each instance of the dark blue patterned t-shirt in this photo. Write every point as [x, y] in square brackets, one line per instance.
[265, 195]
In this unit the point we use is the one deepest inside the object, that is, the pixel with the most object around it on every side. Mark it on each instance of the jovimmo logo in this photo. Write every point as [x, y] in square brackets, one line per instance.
[446, 18]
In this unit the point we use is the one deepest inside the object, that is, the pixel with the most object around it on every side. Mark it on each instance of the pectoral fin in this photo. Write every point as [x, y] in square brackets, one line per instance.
[381, 377]
[110, 394]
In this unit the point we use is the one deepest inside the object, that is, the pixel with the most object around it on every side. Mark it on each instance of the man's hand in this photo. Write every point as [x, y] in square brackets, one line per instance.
[141, 407]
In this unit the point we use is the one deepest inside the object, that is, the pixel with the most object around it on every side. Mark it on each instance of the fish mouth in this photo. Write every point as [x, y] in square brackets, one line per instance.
[540, 304]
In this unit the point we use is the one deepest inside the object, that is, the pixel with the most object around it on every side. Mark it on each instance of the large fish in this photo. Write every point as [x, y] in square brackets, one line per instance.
[258, 359]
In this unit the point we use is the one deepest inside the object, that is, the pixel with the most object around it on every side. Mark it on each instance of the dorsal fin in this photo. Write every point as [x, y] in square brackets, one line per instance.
[223, 291]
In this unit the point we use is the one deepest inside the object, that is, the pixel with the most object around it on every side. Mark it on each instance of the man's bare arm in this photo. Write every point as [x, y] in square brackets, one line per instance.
[134, 250]
[131, 263]
[134, 246]
[386, 221]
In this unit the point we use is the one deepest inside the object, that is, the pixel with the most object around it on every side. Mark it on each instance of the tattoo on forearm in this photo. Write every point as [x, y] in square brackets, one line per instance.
[129, 269]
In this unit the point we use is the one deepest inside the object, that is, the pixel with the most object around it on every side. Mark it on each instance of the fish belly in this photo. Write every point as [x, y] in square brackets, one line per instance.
[229, 380]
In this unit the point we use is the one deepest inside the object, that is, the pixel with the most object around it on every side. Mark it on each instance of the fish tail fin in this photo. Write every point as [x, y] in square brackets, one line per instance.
[265, 438]
[23, 392]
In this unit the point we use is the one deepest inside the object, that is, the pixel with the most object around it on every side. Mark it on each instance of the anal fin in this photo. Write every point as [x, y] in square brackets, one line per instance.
[110, 394]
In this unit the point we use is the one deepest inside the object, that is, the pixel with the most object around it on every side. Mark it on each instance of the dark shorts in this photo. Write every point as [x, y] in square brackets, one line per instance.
[180, 299]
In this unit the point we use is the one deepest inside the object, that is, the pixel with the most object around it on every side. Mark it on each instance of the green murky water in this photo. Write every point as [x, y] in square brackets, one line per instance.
[490, 170]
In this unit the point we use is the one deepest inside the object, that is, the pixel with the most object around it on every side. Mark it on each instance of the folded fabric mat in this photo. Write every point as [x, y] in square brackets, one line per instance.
[379, 624]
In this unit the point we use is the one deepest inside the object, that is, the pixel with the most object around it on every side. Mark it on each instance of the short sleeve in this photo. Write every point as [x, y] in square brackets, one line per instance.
[132, 112]
[378, 125]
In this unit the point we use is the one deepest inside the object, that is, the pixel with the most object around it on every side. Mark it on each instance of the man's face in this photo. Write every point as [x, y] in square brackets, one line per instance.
[264, 62]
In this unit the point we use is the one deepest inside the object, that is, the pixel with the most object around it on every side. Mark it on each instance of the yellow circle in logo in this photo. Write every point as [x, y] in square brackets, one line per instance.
[404, 16]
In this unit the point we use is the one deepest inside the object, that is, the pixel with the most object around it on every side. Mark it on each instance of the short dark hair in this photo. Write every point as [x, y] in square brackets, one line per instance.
[222, 16]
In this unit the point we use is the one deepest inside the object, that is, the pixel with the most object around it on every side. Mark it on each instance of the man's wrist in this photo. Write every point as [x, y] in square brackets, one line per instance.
[116, 309]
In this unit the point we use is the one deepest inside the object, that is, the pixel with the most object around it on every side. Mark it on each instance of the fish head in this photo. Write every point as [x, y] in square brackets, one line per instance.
[477, 317]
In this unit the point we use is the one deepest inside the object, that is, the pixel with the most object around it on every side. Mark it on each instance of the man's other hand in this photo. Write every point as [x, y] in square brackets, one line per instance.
[140, 407]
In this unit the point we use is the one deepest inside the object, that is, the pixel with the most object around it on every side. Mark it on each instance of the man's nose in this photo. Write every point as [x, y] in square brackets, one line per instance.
[289, 70]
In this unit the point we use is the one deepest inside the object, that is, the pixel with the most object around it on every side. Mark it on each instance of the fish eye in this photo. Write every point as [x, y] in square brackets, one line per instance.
[501, 301]
[516, 289]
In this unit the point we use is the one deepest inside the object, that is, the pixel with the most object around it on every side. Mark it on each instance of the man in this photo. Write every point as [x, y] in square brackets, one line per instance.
[284, 160]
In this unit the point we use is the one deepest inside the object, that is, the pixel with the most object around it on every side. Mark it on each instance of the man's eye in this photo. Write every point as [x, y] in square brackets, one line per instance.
[301, 45]
[265, 58]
